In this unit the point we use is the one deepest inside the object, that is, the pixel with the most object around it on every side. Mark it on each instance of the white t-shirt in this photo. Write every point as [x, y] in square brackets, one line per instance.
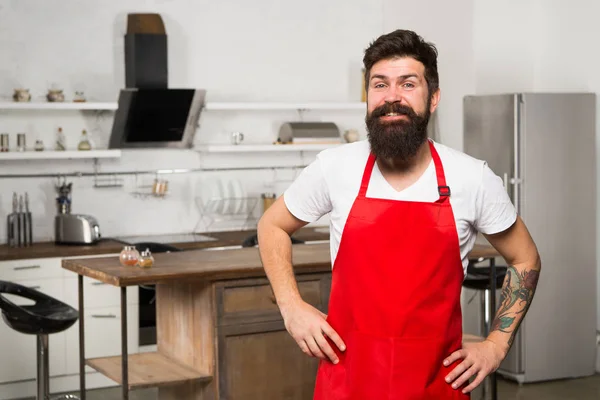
[331, 183]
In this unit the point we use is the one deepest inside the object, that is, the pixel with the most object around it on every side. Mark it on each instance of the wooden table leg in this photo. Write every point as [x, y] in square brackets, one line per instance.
[185, 330]
[124, 352]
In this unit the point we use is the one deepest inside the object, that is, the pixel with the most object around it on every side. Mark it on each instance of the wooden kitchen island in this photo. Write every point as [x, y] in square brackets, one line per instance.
[219, 332]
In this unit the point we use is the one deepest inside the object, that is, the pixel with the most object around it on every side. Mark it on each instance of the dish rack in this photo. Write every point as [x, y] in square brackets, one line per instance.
[229, 209]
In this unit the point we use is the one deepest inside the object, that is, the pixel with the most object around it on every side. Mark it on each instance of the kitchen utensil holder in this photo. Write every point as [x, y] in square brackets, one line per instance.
[211, 211]
[159, 188]
[109, 181]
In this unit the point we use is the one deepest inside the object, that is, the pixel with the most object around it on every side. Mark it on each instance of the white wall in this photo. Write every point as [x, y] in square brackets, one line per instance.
[266, 50]
[505, 36]
[449, 25]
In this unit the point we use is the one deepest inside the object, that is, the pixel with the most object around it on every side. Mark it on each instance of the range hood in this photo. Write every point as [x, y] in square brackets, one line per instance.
[151, 118]
[149, 113]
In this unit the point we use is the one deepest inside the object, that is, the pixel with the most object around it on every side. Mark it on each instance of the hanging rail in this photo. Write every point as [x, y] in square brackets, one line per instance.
[146, 172]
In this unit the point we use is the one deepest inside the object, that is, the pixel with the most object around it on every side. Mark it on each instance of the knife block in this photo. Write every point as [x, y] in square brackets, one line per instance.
[19, 229]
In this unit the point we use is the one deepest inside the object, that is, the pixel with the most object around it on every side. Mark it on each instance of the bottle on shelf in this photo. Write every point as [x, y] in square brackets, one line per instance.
[61, 140]
[84, 141]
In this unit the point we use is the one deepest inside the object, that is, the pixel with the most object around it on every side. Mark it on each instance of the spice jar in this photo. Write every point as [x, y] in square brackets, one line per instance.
[146, 260]
[129, 256]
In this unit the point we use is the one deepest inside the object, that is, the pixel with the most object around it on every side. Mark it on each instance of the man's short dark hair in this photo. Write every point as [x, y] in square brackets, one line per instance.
[404, 43]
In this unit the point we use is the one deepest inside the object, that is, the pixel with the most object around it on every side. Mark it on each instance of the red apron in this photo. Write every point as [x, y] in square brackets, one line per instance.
[395, 299]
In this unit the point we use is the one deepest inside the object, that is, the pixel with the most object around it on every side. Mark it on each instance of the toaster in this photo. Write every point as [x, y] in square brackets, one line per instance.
[76, 229]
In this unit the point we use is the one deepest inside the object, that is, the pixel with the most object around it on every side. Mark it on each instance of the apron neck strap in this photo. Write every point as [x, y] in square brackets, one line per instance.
[366, 175]
[443, 189]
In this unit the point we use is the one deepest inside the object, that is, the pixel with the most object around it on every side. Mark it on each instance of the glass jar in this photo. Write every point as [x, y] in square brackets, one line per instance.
[146, 260]
[129, 256]
[84, 142]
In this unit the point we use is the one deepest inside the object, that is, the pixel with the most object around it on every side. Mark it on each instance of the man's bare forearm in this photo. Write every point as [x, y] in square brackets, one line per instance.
[517, 294]
[276, 254]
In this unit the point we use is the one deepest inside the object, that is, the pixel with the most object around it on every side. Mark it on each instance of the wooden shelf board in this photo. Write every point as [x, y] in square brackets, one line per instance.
[147, 370]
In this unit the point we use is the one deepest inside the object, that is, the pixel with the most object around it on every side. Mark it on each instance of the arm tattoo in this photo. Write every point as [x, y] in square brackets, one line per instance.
[517, 293]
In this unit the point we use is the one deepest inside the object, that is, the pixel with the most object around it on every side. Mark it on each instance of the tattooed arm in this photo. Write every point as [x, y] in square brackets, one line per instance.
[524, 265]
[480, 359]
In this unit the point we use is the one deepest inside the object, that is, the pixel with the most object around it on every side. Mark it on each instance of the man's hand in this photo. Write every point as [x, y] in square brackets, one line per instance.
[308, 327]
[479, 359]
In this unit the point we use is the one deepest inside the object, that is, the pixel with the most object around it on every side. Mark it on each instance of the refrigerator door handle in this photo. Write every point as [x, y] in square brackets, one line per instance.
[505, 181]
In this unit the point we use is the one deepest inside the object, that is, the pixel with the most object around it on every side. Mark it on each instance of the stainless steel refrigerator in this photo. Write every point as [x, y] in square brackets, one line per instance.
[543, 146]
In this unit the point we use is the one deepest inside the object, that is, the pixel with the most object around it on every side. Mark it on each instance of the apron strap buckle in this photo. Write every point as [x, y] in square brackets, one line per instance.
[444, 190]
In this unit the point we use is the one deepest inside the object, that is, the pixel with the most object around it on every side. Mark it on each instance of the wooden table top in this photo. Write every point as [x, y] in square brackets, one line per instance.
[210, 265]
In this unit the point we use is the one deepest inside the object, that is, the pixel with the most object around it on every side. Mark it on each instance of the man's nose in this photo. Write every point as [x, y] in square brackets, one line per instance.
[394, 94]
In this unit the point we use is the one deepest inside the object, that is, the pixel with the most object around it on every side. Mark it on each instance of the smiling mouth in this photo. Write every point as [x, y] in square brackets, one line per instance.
[393, 115]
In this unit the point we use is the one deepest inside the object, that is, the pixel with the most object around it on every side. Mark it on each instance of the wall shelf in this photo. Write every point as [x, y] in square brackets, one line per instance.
[210, 106]
[257, 148]
[223, 106]
[94, 106]
[59, 155]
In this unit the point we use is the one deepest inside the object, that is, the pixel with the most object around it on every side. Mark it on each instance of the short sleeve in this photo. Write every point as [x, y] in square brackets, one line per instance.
[308, 197]
[494, 210]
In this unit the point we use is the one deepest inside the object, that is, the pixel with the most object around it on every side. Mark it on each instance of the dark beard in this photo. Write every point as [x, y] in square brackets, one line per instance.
[398, 140]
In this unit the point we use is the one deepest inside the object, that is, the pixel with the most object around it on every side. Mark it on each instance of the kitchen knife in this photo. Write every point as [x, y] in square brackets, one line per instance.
[21, 222]
[10, 229]
[29, 230]
[13, 222]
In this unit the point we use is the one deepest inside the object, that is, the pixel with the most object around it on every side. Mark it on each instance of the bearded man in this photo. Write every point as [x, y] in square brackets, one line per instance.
[404, 214]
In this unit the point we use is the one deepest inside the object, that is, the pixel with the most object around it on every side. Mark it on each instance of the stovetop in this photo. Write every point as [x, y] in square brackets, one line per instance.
[168, 238]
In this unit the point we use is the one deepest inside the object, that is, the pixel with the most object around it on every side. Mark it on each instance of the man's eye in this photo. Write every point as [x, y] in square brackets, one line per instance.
[379, 85]
[409, 85]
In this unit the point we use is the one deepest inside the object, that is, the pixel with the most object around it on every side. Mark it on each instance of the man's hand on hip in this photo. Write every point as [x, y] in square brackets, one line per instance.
[308, 327]
[480, 359]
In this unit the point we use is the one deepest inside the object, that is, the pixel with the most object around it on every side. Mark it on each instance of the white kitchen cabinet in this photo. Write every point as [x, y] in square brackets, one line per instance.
[102, 335]
[18, 350]
[36, 268]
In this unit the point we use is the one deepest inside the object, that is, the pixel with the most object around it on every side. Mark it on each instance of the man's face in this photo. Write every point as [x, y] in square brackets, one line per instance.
[398, 108]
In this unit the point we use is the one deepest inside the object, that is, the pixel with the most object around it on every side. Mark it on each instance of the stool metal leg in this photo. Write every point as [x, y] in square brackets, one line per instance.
[124, 352]
[43, 386]
[493, 375]
[81, 340]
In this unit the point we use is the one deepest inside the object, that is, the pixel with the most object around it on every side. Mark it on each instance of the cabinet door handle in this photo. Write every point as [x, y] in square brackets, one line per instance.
[98, 283]
[27, 267]
[104, 316]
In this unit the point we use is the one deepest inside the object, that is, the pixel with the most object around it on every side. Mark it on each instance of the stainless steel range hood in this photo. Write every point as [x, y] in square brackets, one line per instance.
[150, 114]
[156, 118]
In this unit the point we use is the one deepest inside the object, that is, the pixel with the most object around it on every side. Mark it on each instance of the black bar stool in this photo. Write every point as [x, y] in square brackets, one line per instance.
[45, 317]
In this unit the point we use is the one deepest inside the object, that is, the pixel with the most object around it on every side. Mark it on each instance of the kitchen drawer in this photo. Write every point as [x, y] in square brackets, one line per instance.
[37, 268]
[102, 335]
[97, 294]
[253, 299]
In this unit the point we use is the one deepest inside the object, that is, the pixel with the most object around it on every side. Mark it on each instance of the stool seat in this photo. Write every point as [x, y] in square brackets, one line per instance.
[47, 316]
[478, 278]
